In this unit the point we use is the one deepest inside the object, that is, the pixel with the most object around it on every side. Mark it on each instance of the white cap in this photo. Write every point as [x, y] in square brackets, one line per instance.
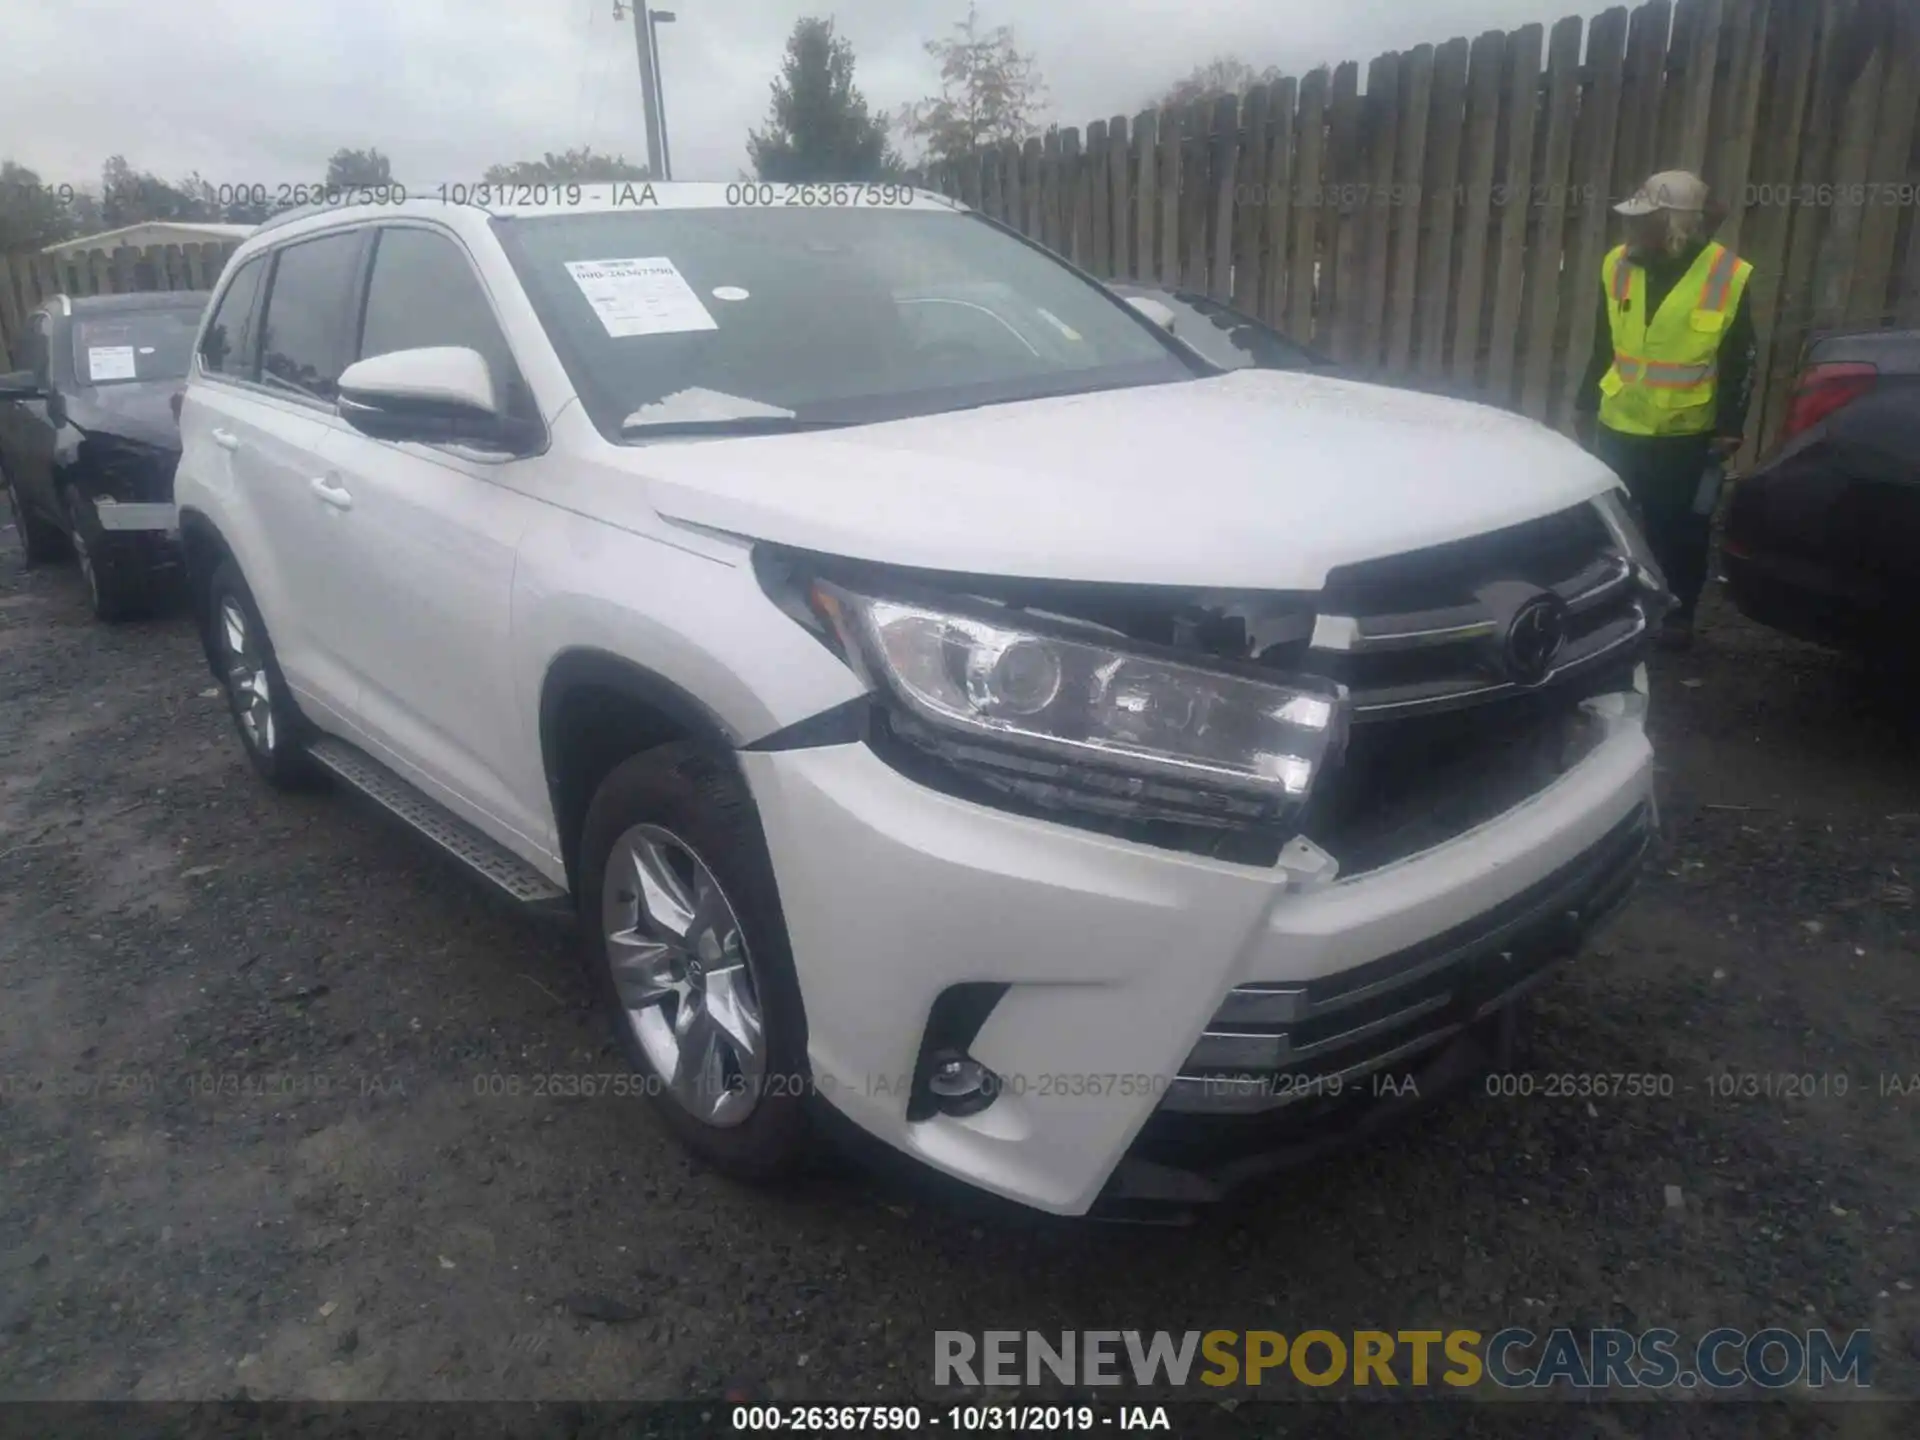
[1669, 190]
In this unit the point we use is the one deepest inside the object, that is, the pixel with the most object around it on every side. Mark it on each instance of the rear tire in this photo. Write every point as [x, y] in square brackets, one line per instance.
[270, 726]
[117, 582]
[687, 949]
[40, 542]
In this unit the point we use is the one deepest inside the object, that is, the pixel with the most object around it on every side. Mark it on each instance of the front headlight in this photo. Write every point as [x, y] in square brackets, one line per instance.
[1071, 721]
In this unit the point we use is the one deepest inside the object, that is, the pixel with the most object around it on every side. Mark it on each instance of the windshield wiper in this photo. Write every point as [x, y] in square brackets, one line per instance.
[735, 425]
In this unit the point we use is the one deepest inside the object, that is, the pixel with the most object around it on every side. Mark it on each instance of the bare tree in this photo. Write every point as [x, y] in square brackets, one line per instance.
[33, 214]
[129, 196]
[990, 91]
[355, 169]
[581, 166]
[1222, 75]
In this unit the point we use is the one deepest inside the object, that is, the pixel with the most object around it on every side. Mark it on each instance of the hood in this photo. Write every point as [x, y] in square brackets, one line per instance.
[1254, 479]
[138, 410]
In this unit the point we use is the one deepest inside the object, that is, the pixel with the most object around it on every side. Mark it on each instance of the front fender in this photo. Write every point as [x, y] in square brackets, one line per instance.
[699, 623]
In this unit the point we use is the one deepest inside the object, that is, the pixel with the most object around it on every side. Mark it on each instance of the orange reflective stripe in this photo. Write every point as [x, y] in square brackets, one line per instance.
[1684, 377]
[1713, 294]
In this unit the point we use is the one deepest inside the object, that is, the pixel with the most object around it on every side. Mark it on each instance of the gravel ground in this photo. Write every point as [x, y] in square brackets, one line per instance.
[247, 1149]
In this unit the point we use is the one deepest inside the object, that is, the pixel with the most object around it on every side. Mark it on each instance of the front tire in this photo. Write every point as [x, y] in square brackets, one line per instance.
[271, 728]
[117, 584]
[688, 951]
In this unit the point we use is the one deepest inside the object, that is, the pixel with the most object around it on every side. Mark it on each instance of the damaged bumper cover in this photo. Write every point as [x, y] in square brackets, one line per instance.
[1107, 962]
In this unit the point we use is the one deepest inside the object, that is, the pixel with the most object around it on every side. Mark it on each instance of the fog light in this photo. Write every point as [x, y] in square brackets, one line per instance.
[961, 1085]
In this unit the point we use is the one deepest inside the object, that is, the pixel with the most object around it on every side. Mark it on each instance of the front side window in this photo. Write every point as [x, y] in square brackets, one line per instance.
[133, 345]
[309, 326]
[706, 317]
[230, 346]
[423, 294]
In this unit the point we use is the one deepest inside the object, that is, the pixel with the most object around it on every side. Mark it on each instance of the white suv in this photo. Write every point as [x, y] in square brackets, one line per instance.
[957, 713]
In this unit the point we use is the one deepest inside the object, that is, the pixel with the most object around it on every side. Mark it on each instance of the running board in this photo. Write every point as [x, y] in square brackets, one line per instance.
[479, 853]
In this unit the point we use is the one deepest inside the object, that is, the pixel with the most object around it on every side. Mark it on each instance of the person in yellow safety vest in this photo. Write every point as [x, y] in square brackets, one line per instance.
[1665, 398]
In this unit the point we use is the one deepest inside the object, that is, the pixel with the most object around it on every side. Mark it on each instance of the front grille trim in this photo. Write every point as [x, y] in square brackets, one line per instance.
[1249, 1094]
[1227, 1050]
[1422, 632]
[1592, 587]
[1235, 1069]
[1371, 706]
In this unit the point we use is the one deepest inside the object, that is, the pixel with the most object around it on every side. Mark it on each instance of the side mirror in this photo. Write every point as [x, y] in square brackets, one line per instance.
[1156, 312]
[21, 385]
[435, 396]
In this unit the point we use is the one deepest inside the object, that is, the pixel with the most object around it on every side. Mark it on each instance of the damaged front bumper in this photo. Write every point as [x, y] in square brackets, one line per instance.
[1283, 1074]
[1096, 970]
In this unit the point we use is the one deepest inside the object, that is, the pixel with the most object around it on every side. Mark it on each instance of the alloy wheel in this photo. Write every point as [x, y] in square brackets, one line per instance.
[247, 680]
[684, 976]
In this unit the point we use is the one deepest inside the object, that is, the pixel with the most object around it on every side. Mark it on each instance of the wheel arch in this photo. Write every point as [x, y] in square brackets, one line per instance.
[599, 709]
[204, 549]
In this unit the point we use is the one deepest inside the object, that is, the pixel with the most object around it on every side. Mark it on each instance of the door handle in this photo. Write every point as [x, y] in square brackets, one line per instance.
[226, 439]
[331, 493]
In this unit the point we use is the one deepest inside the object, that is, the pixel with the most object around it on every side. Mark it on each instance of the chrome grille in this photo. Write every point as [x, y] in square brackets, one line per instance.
[1269, 1046]
[1427, 631]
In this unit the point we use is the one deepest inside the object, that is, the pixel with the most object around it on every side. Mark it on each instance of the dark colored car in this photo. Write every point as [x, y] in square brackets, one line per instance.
[89, 440]
[1823, 540]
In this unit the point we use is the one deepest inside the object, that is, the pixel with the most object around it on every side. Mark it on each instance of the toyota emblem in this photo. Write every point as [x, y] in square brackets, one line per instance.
[1535, 639]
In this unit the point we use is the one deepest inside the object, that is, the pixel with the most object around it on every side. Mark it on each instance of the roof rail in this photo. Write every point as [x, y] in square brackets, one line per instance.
[284, 217]
[322, 207]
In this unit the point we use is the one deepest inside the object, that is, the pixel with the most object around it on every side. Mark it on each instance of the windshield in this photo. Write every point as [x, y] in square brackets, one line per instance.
[674, 321]
[133, 345]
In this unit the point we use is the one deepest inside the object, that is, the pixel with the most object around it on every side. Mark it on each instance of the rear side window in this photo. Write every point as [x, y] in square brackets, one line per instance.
[309, 327]
[230, 346]
[423, 293]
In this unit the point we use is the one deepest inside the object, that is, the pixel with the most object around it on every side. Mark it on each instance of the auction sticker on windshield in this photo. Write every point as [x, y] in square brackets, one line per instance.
[640, 296]
[110, 362]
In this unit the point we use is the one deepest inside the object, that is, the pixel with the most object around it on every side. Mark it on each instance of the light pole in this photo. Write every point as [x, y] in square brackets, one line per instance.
[657, 18]
[649, 82]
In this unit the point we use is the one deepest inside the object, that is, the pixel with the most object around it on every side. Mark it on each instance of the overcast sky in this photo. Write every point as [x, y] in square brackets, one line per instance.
[247, 91]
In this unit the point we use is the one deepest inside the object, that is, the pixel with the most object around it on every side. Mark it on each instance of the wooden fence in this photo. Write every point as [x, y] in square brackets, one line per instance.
[1447, 220]
[27, 279]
